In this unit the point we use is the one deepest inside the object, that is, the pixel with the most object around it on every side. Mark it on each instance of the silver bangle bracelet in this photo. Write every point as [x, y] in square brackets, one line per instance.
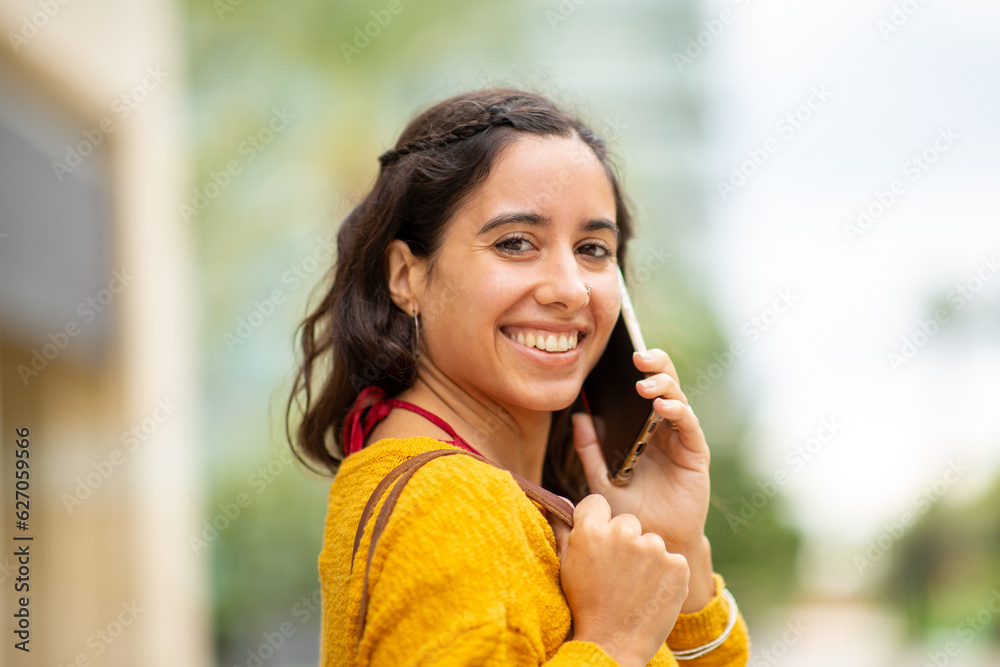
[698, 651]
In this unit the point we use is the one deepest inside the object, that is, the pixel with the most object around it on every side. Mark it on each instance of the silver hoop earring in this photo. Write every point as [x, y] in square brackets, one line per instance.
[416, 343]
[590, 288]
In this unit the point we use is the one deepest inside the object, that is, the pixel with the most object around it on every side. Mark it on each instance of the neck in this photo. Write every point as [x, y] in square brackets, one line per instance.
[511, 436]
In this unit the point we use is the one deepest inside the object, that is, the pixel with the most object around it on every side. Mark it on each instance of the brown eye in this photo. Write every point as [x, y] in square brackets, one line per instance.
[513, 245]
[595, 250]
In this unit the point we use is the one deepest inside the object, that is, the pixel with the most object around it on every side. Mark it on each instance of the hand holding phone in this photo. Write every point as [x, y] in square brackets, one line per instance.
[671, 496]
[623, 420]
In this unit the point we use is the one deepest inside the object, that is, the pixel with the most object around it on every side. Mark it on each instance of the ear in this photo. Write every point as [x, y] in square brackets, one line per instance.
[405, 275]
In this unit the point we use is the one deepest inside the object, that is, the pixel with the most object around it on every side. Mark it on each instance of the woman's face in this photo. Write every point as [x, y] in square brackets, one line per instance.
[505, 312]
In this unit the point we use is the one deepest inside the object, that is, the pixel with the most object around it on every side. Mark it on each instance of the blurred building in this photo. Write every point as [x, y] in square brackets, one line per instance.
[97, 358]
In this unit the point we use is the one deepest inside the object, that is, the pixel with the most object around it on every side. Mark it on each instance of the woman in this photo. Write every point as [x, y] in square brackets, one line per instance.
[476, 285]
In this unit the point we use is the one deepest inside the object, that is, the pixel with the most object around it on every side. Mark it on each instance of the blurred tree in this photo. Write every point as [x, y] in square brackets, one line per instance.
[939, 566]
[264, 559]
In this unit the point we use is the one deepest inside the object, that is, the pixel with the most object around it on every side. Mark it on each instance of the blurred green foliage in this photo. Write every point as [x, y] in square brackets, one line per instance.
[939, 566]
[264, 561]
[755, 548]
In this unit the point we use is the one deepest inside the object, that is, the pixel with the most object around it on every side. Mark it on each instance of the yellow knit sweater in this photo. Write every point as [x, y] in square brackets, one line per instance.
[466, 573]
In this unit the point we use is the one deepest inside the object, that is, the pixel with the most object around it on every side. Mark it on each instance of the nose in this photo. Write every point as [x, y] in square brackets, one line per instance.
[562, 281]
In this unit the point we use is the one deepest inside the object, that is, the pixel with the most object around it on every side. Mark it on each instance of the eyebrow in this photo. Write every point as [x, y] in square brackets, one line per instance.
[539, 220]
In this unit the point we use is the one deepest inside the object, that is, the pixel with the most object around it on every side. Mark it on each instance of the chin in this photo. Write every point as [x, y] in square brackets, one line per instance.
[548, 398]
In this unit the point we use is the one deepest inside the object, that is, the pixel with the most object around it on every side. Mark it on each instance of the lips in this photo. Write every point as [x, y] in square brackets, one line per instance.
[546, 340]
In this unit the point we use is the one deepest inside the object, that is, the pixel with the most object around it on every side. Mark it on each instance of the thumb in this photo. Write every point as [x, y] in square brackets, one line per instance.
[561, 531]
[590, 452]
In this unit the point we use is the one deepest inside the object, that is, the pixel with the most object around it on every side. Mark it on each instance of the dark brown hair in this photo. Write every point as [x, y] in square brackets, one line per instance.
[357, 337]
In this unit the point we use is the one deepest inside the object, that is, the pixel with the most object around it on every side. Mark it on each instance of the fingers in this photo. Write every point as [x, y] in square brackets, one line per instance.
[590, 452]
[671, 404]
[680, 415]
[655, 360]
[624, 589]
[561, 531]
[627, 524]
[593, 507]
[661, 385]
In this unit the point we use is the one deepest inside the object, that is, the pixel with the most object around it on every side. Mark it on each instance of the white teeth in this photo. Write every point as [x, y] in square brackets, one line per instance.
[547, 342]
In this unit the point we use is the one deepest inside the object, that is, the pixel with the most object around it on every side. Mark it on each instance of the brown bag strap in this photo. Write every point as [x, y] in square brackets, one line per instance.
[403, 472]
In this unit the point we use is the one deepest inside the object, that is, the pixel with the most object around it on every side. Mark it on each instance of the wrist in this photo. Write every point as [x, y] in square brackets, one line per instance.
[701, 584]
[621, 655]
[693, 547]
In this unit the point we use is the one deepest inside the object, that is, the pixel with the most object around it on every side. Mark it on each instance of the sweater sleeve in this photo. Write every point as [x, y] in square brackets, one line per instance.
[701, 627]
[463, 575]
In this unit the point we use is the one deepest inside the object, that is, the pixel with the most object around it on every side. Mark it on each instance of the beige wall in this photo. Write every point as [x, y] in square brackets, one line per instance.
[128, 542]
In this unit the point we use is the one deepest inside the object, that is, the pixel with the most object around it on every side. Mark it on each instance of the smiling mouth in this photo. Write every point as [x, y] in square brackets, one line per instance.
[547, 341]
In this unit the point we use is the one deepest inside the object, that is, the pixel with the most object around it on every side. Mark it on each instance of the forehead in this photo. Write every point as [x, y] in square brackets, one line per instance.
[556, 177]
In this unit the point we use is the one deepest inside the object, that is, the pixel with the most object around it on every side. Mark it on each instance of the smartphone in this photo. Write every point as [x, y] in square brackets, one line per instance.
[624, 420]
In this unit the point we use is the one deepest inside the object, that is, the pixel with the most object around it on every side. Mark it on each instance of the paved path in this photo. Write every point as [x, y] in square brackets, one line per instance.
[852, 635]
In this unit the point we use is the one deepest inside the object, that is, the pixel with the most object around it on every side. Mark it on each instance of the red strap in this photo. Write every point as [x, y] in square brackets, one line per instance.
[371, 406]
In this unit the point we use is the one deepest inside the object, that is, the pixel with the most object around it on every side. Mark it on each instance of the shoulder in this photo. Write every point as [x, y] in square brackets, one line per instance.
[370, 465]
[454, 504]
[457, 486]
[462, 503]
[456, 471]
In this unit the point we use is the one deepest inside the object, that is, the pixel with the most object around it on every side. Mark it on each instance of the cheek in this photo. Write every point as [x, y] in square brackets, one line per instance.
[504, 285]
[462, 319]
[606, 304]
[491, 293]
